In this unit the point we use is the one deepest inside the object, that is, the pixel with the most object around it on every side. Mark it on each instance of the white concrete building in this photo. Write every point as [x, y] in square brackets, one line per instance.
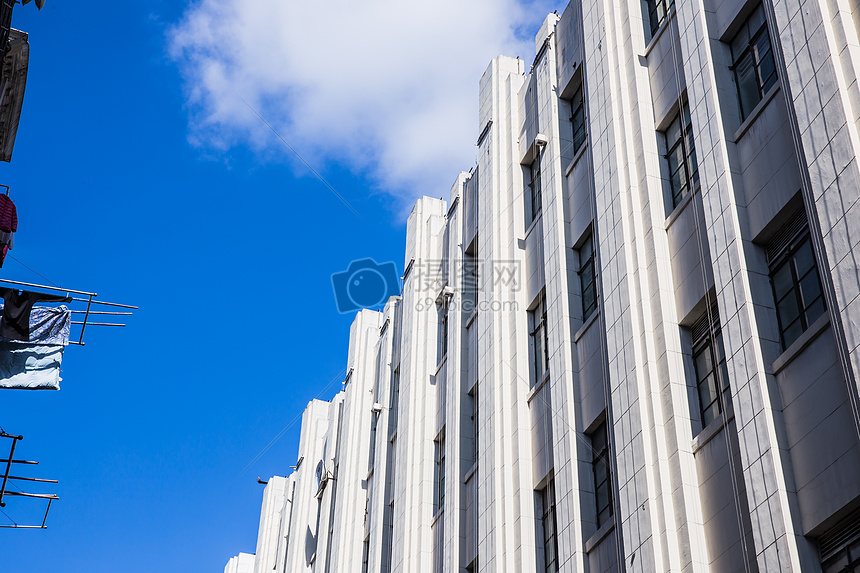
[629, 341]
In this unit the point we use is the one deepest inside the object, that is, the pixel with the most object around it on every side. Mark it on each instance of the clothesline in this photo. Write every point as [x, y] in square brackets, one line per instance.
[33, 336]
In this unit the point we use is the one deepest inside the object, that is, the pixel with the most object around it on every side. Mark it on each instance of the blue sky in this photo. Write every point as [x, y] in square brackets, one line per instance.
[133, 178]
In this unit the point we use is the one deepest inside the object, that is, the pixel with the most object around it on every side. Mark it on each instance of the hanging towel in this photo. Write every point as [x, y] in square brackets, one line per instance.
[8, 215]
[15, 324]
[35, 365]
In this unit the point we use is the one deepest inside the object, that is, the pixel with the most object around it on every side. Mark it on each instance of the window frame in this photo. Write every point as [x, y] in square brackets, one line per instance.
[601, 456]
[788, 257]
[577, 111]
[549, 518]
[394, 401]
[654, 21]
[756, 59]
[537, 319]
[710, 343]
[689, 163]
[442, 340]
[587, 276]
[439, 501]
[475, 429]
[534, 187]
[470, 283]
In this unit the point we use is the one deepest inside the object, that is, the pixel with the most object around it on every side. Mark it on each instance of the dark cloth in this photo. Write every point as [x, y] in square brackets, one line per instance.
[8, 215]
[15, 324]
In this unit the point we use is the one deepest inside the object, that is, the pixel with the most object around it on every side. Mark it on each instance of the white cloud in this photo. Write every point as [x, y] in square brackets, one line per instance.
[389, 88]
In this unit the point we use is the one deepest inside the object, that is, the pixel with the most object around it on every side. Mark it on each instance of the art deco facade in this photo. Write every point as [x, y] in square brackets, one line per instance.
[629, 341]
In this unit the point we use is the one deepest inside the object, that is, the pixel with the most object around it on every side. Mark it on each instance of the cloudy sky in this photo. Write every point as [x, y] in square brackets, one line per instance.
[387, 88]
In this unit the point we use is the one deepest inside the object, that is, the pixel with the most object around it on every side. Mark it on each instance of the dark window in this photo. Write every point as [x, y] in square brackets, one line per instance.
[587, 281]
[440, 471]
[534, 190]
[712, 379]
[657, 11]
[365, 555]
[374, 421]
[839, 546]
[602, 473]
[442, 309]
[752, 61]
[550, 540]
[577, 119]
[539, 342]
[470, 283]
[475, 424]
[796, 289]
[681, 155]
[845, 561]
[394, 401]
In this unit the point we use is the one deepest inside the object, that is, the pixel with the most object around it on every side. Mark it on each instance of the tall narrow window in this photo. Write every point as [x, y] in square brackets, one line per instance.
[534, 190]
[753, 65]
[796, 288]
[365, 555]
[394, 401]
[442, 309]
[602, 469]
[440, 471]
[548, 521]
[539, 342]
[371, 458]
[474, 396]
[657, 12]
[587, 281]
[470, 283]
[577, 119]
[681, 155]
[709, 362]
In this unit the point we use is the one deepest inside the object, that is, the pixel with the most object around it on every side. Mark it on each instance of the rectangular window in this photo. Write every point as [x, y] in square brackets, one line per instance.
[440, 471]
[365, 555]
[470, 283]
[681, 155]
[474, 396]
[600, 464]
[709, 363]
[577, 119]
[539, 343]
[752, 61]
[534, 190]
[548, 521]
[587, 277]
[839, 546]
[442, 310]
[371, 458]
[845, 561]
[394, 401]
[796, 288]
[657, 12]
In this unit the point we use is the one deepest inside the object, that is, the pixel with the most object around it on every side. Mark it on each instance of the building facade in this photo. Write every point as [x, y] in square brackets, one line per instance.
[629, 340]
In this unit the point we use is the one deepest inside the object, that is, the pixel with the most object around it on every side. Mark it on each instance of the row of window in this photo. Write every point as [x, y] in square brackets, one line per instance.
[752, 57]
[755, 74]
[603, 495]
[799, 302]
